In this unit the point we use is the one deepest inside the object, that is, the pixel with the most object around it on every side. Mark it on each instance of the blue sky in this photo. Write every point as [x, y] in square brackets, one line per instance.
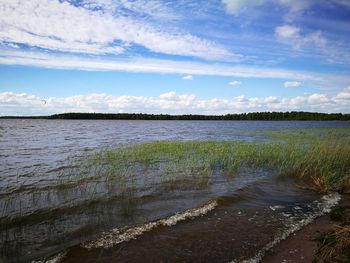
[206, 57]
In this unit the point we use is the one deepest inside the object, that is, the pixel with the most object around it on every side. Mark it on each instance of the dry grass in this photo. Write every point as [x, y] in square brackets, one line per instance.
[335, 246]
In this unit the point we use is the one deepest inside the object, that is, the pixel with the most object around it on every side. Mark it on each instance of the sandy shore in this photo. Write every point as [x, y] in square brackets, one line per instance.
[302, 245]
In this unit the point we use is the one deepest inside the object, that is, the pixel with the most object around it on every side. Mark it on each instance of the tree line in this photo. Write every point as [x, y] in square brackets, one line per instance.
[273, 116]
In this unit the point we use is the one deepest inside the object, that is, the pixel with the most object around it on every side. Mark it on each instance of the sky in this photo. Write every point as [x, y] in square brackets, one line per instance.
[174, 57]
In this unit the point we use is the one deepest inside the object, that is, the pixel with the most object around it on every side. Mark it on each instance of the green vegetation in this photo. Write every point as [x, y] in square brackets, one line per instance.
[275, 116]
[243, 116]
[319, 158]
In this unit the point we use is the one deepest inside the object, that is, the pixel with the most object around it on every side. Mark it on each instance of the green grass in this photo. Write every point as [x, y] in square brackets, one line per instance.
[320, 158]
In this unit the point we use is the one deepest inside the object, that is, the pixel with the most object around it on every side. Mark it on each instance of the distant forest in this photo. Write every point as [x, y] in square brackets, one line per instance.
[273, 116]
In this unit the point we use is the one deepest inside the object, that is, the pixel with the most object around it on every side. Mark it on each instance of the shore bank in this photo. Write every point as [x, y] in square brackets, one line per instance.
[303, 245]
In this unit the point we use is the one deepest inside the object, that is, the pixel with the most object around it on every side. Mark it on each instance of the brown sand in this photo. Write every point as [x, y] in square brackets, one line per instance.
[301, 247]
[209, 239]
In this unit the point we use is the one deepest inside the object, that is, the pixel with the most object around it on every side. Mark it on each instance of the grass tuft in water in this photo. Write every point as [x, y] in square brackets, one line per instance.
[320, 158]
[334, 246]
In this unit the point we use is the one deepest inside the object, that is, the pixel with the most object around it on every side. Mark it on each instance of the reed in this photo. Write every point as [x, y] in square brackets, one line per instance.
[334, 246]
[320, 158]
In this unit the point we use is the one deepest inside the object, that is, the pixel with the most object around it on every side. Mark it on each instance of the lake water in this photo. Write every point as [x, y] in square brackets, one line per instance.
[87, 219]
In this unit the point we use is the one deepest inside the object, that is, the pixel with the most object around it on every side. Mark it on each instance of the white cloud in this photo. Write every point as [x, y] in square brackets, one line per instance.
[171, 95]
[187, 77]
[344, 95]
[305, 42]
[298, 101]
[150, 8]
[170, 102]
[312, 43]
[234, 7]
[318, 99]
[15, 57]
[38, 59]
[287, 32]
[292, 84]
[59, 25]
[240, 98]
[271, 100]
[291, 35]
[234, 83]
[295, 7]
[344, 3]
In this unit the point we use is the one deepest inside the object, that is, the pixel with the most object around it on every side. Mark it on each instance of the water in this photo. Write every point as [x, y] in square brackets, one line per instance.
[39, 218]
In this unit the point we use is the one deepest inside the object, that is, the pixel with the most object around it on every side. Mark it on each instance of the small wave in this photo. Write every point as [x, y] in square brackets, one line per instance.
[276, 207]
[54, 259]
[116, 236]
[323, 207]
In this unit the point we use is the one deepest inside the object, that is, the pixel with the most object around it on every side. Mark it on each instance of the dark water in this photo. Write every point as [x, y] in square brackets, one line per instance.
[39, 217]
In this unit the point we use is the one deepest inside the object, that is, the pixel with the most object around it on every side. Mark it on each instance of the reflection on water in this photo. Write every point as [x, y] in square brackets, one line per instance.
[42, 212]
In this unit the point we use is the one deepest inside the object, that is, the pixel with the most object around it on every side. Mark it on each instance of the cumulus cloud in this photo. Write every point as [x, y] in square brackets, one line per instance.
[187, 77]
[26, 104]
[318, 99]
[292, 84]
[344, 95]
[234, 83]
[171, 95]
[62, 26]
[240, 98]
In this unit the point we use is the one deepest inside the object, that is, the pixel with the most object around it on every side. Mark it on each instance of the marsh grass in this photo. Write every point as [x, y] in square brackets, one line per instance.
[334, 246]
[320, 158]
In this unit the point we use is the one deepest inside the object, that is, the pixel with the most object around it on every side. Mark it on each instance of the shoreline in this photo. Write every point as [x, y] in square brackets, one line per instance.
[298, 247]
[302, 246]
[250, 116]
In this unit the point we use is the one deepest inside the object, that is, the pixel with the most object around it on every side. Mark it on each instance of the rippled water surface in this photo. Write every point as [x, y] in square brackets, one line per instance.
[39, 217]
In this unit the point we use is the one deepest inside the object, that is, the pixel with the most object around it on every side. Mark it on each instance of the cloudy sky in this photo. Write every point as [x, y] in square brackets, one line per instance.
[183, 56]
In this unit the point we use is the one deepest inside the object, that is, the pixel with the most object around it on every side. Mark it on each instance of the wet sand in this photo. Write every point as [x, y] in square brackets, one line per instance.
[301, 246]
[211, 238]
[220, 236]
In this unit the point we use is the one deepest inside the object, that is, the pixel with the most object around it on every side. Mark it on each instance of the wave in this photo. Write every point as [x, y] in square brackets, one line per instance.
[323, 207]
[117, 235]
[292, 224]
[54, 259]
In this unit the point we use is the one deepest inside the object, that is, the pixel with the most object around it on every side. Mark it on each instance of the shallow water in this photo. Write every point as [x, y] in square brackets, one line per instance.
[39, 217]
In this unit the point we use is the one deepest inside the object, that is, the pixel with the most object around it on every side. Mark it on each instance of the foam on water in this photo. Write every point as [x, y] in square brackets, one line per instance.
[322, 207]
[292, 224]
[275, 207]
[54, 259]
[116, 236]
